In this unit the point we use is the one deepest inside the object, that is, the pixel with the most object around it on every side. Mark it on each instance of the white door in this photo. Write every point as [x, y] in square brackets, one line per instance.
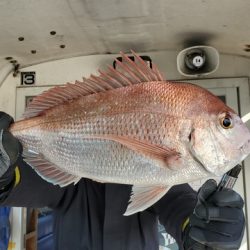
[228, 90]
[235, 93]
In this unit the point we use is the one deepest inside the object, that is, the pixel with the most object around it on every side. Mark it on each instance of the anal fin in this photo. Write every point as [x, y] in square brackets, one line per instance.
[48, 170]
[143, 197]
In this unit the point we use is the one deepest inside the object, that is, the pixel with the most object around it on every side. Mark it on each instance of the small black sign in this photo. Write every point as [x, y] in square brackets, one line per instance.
[28, 78]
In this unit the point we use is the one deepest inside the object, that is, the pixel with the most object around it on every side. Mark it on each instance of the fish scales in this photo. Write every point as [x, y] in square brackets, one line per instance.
[111, 117]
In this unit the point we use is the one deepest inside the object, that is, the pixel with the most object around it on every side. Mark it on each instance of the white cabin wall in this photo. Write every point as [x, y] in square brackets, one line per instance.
[69, 70]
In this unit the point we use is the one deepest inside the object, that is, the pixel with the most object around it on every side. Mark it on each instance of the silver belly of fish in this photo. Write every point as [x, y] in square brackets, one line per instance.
[69, 158]
[108, 161]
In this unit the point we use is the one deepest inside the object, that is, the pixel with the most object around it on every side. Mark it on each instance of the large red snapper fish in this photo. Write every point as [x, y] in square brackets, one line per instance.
[131, 126]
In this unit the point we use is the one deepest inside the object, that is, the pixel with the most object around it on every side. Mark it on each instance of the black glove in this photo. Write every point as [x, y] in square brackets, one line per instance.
[218, 220]
[10, 150]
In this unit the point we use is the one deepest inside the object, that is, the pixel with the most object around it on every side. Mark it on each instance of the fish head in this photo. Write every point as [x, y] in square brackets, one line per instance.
[220, 140]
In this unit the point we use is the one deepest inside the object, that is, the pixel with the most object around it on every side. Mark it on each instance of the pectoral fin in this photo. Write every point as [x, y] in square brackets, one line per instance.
[143, 197]
[168, 157]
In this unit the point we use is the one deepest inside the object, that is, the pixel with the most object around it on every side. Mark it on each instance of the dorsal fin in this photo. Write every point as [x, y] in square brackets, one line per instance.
[133, 72]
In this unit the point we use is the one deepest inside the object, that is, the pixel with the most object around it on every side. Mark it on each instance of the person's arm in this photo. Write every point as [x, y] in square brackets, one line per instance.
[215, 219]
[19, 184]
[174, 208]
[218, 221]
[27, 189]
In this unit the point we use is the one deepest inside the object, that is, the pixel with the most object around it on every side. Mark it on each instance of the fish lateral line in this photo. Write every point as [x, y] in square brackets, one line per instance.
[19, 127]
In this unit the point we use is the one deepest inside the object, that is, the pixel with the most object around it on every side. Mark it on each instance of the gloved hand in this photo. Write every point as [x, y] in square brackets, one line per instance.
[10, 148]
[218, 220]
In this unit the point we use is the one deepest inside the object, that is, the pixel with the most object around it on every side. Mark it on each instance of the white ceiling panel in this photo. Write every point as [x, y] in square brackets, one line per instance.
[84, 27]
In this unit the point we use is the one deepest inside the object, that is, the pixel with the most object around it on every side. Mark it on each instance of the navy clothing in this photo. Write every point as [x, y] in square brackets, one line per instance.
[89, 215]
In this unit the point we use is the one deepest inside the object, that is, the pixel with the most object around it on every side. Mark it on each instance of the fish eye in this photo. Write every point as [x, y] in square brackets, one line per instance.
[226, 122]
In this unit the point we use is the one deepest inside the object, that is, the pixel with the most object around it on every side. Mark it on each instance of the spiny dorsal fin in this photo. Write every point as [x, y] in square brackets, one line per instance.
[133, 72]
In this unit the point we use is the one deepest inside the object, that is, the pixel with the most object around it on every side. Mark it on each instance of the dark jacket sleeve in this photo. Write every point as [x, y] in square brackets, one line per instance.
[174, 208]
[31, 191]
